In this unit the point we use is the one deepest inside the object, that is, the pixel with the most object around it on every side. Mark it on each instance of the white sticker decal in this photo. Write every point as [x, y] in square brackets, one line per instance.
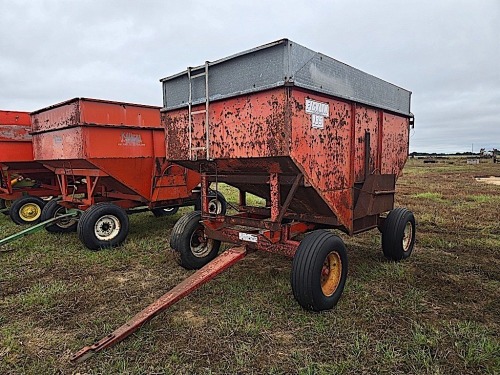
[247, 237]
[318, 122]
[131, 139]
[318, 111]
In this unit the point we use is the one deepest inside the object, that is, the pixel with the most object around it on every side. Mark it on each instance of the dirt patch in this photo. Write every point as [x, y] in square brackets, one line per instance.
[493, 180]
[191, 318]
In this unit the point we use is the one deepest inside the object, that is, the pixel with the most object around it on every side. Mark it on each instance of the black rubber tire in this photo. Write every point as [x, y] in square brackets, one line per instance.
[214, 197]
[393, 234]
[181, 241]
[2, 204]
[53, 209]
[89, 219]
[307, 268]
[164, 211]
[19, 204]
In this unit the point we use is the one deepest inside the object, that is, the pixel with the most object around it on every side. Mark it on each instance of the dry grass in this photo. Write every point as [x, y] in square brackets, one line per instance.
[438, 312]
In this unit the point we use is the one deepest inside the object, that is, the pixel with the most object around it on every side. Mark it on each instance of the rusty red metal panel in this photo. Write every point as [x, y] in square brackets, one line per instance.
[135, 173]
[395, 143]
[273, 131]
[15, 133]
[83, 111]
[55, 117]
[321, 147]
[61, 144]
[367, 120]
[246, 126]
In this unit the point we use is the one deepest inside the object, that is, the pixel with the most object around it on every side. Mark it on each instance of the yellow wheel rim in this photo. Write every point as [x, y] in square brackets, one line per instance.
[331, 273]
[30, 212]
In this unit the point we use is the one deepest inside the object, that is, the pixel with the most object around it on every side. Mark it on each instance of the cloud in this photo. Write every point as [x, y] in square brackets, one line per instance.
[445, 52]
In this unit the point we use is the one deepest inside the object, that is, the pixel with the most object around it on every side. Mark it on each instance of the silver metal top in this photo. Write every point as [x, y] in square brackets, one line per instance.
[283, 63]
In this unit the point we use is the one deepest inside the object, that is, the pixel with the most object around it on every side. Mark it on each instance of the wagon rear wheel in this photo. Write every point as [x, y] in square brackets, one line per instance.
[217, 204]
[188, 239]
[319, 271]
[53, 209]
[164, 211]
[103, 225]
[26, 210]
[398, 234]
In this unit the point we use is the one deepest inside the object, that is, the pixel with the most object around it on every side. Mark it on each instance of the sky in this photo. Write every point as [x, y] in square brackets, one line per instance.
[446, 52]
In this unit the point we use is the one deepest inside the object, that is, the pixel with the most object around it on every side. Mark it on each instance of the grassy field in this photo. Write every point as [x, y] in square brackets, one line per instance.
[436, 313]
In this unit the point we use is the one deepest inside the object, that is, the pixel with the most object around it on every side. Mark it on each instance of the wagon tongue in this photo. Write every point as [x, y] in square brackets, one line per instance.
[193, 282]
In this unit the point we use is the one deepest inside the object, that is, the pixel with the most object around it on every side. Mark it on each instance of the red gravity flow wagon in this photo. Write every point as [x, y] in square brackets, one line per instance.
[116, 151]
[322, 142]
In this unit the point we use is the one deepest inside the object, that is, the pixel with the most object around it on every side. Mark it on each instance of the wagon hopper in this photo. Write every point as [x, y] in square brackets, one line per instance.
[323, 143]
[116, 152]
[23, 181]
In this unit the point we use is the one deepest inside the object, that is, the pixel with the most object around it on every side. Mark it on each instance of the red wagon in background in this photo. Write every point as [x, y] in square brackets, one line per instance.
[116, 152]
[23, 181]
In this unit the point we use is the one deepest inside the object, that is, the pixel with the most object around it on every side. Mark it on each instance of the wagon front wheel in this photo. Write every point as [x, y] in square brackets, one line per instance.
[188, 239]
[26, 210]
[319, 271]
[398, 234]
[103, 225]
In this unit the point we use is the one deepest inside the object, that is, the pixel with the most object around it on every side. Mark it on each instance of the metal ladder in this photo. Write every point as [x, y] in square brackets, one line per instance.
[193, 156]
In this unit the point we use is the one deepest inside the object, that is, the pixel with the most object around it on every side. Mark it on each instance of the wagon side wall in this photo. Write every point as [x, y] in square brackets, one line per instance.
[14, 118]
[118, 114]
[247, 126]
[322, 148]
[57, 117]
